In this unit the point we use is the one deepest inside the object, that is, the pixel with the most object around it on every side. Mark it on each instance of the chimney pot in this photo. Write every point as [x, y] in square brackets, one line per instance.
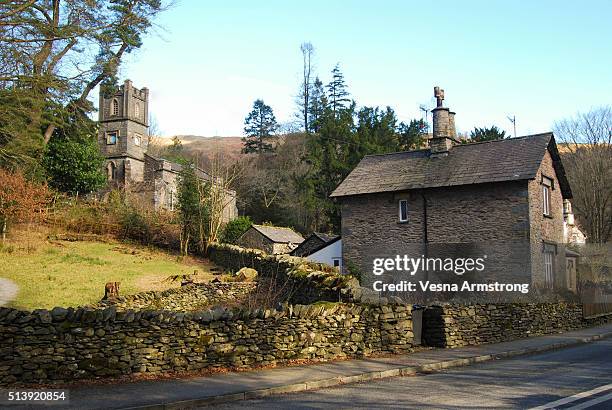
[444, 133]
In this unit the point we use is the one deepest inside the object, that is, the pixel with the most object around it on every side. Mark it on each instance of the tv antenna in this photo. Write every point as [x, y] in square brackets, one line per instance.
[512, 119]
[425, 110]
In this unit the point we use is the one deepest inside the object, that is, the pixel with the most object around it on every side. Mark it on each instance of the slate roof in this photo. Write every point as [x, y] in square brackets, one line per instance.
[325, 237]
[278, 234]
[510, 159]
[321, 238]
[325, 245]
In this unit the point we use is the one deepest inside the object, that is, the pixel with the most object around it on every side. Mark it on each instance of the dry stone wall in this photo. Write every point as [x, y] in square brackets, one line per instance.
[186, 298]
[306, 282]
[466, 325]
[63, 345]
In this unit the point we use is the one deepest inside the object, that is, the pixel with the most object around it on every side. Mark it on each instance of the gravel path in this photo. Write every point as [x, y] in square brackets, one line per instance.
[8, 291]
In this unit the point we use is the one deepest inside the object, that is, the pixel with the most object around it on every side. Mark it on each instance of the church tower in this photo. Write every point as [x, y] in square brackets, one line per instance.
[123, 135]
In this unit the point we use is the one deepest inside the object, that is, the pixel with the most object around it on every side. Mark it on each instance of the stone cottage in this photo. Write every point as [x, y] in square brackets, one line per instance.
[123, 139]
[270, 239]
[503, 199]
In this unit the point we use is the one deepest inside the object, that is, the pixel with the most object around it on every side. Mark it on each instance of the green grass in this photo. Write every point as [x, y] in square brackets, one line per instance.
[74, 273]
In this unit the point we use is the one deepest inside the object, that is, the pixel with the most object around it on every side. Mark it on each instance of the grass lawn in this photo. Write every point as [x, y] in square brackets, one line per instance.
[62, 273]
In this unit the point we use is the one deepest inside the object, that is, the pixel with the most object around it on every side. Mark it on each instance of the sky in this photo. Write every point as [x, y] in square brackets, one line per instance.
[541, 61]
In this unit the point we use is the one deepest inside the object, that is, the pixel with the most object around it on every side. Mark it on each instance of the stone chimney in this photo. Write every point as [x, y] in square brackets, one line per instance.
[444, 132]
[451, 125]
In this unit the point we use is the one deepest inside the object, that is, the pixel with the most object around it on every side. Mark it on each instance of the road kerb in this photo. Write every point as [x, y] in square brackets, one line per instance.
[377, 375]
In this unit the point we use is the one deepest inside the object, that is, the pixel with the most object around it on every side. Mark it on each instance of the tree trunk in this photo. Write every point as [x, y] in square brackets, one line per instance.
[3, 230]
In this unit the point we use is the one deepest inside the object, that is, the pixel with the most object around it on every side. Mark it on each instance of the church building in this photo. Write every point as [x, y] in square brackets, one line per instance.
[123, 139]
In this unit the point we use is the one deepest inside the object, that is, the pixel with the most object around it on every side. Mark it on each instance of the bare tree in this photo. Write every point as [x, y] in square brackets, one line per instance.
[307, 53]
[220, 195]
[586, 145]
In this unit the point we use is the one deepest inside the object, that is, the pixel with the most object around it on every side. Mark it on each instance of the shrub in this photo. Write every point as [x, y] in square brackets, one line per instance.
[235, 228]
[20, 200]
[74, 165]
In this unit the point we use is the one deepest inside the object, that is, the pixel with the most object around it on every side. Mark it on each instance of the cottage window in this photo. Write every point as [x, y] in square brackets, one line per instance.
[115, 107]
[547, 186]
[403, 210]
[548, 268]
[337, 262]
[111, 137]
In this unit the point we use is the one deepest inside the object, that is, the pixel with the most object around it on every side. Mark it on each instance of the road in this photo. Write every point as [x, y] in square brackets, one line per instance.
[522, 382]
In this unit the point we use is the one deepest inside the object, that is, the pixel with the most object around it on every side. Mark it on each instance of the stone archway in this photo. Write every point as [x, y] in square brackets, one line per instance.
[111, 171]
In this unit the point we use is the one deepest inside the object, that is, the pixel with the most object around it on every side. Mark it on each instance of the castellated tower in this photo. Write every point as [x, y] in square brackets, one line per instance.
[123, 135]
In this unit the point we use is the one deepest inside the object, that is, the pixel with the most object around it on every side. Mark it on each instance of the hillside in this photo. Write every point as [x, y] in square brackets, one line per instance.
[228, 147]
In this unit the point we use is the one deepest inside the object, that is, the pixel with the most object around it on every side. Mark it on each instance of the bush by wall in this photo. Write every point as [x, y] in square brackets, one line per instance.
[63, 345]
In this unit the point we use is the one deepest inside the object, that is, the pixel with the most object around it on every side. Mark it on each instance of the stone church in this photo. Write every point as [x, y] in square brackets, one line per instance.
[123, 139]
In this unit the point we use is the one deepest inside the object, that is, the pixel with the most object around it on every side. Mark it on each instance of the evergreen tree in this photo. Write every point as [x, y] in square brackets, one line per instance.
[318, 102]
[487, 134]
[337, 93]
[259, 127]
[413, 135]
[72, 158]
[376, 133]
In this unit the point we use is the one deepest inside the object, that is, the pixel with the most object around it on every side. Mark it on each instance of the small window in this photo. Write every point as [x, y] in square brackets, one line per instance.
[115, 107]
[171, 201]
[547, 186]
[137, 140]
[548, 268]
[137, 110]
[111, 137]
[337, 262]
[111, 171]
[403, 210]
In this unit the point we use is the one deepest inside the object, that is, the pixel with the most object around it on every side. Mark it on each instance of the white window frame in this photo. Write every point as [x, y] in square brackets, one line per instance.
[171, 201]
[137, 140]
[548, 269]
[115, 107]
[400, 203]
[547, 186]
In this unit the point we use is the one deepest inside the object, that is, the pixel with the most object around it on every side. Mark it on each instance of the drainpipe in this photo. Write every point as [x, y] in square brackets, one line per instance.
[425, 240]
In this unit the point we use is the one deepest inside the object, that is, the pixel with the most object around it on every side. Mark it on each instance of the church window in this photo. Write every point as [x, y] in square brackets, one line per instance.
[137, 140]
[111, 137]
[137, 110]
[115, 107]
[111, 171]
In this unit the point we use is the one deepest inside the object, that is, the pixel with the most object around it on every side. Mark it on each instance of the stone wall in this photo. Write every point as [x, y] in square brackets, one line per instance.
[186, 298]
[305, 282]
[254, 239]
[547, 229]
[69, 344]
[493, 219]
[467, 325]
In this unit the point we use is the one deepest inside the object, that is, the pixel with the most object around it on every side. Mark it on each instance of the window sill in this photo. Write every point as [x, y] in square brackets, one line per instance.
[402, 222]
[547, 216]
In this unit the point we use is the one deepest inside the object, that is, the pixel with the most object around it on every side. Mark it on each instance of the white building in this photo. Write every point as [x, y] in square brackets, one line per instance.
[329, 253]
[571, 231]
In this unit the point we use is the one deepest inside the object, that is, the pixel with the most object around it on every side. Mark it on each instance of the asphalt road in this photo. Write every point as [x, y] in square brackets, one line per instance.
[523, 382]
